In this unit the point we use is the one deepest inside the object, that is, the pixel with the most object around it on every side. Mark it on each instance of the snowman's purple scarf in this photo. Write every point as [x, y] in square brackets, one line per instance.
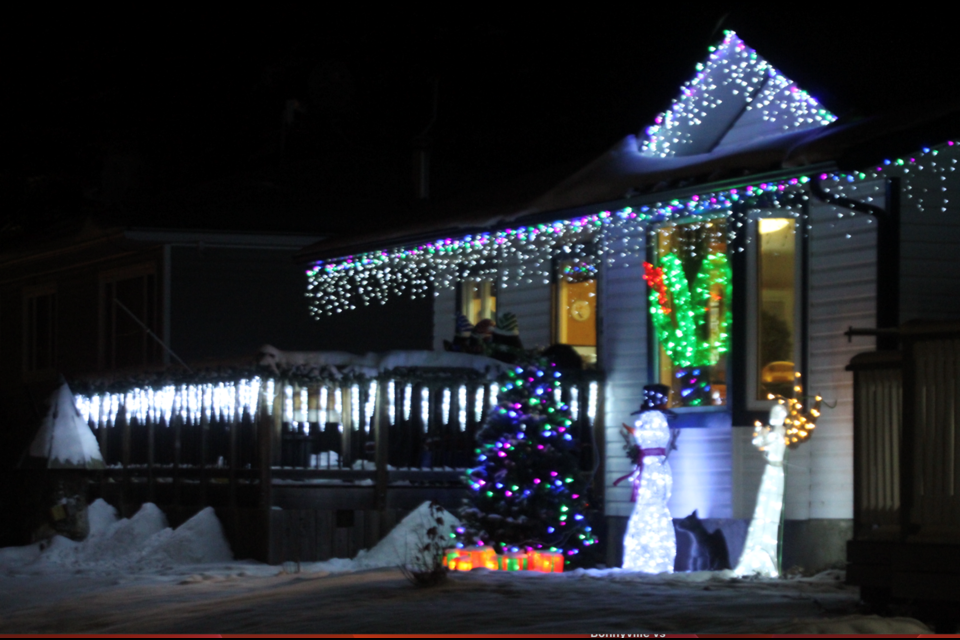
[637, 473]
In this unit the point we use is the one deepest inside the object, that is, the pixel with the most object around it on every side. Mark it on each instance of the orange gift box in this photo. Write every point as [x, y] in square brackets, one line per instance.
[545, 561]
[470, 558]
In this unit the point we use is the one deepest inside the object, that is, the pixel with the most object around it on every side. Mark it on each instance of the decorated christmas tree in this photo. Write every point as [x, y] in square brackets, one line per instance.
[526, 490]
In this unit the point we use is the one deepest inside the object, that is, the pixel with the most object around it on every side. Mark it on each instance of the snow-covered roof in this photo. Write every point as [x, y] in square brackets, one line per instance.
[736, 119]
[372, 364]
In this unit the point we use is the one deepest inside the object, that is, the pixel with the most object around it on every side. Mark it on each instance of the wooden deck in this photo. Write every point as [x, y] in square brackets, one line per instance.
[311, 470]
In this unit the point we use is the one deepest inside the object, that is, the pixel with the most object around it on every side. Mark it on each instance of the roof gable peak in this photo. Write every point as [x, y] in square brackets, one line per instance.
[735, 96]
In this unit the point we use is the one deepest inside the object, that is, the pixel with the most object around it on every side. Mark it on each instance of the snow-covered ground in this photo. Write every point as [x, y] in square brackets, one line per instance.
[137, 575]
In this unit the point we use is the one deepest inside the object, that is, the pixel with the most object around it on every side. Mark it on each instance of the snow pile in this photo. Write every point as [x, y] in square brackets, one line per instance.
[65, 439]
[372, 364]
[855, 625]
[401, 546]
[100, 517]
[115, 545]
[13, 557]
[140, 544]
[199, 540]
[324, 460]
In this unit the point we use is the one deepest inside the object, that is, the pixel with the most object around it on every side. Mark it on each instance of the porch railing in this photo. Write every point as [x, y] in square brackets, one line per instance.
[907, 437]
[401, 428]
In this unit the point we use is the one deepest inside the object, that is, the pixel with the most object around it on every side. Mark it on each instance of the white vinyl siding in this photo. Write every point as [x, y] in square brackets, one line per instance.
[444, 317]
[843, 258]
[623, 357]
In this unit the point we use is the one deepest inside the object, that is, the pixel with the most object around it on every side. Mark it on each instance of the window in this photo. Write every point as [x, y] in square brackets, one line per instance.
[576, 307]
[478, 299]
[776, 309]
[690, 307]
[129, 313]
[40, 329]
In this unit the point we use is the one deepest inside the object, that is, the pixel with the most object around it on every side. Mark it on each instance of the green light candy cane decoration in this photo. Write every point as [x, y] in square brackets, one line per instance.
[679, 327]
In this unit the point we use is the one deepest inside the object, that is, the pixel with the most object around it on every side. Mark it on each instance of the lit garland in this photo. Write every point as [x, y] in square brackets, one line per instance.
[679, 317]
[524, 254]
[526, 491]
[191, 402]
[798, 426]
[788, 426]
[732, 70]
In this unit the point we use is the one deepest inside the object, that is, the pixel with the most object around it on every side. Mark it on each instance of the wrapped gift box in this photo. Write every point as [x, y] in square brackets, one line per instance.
[514, 562]
[545, 561]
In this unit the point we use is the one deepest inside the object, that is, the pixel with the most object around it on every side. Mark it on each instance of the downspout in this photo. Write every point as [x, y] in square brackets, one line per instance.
[888, 254]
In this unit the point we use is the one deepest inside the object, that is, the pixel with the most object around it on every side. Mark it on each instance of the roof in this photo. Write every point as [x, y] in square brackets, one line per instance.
[727, 125]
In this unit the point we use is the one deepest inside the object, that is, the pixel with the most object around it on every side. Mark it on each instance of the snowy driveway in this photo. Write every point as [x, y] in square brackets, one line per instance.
[240, 599]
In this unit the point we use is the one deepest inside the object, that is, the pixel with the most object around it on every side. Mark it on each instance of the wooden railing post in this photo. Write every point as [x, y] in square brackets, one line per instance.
[346, 419]
[151, 458]
[908, 444]
[381, 430]
[177, 445]
[204, 452]
[125, 461]
[265, 428]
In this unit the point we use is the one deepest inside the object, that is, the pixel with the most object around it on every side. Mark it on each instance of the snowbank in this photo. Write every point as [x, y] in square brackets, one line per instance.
[855, 625]
[402, 544]
[142, 543]
[199, 540]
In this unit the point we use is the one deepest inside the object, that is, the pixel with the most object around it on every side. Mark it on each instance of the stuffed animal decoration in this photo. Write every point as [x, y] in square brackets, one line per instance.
[709, 550]
[462, 337]
[507, 331]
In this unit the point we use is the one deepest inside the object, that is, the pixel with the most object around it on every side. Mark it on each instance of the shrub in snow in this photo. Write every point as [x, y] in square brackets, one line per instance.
[425, 567]
[403, 543]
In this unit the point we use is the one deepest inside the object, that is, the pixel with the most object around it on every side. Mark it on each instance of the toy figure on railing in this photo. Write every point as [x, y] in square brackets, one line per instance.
[650, 542]
[788, 426]
[498, 339]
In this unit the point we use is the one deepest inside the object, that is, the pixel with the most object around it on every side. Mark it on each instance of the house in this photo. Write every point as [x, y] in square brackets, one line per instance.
[785, 225]
[93, 298]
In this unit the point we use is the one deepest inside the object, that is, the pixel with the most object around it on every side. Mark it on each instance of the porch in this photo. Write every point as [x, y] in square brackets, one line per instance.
[311, 463]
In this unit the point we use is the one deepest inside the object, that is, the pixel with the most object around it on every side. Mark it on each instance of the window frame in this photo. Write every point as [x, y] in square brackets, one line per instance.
[589, 251]
[476, 273]
[29, 330]
[107, 344]
[653, 344]
[752, 324]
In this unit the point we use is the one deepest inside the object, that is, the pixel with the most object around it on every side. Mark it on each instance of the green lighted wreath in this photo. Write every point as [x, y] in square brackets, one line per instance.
[680, 317]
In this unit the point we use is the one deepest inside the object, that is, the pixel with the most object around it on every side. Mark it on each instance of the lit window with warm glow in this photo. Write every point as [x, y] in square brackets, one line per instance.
[576, 307]
[690, 308]
[478, 300]
[776, 308]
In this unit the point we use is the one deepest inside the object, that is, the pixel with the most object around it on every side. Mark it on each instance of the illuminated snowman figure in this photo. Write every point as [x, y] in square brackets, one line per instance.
[650, 543]
[760, 550]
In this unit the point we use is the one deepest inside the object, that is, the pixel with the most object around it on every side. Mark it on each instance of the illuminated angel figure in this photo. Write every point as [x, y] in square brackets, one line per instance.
[760, 550]
[788, 427]
[650, 543]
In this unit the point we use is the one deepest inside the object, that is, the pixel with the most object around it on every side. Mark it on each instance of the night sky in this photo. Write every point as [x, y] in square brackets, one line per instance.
[293, 120]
